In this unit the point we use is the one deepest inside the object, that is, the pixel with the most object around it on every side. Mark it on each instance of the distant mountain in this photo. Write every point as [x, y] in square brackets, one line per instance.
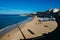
[50, 12]
[54, 10]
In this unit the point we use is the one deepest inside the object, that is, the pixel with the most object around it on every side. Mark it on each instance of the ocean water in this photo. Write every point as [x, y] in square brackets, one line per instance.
[6, 20]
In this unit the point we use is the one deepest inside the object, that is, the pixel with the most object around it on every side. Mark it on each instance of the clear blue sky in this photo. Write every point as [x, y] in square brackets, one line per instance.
[26, 6]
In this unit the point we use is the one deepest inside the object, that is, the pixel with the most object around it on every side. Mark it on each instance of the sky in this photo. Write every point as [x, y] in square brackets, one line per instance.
[27, 6]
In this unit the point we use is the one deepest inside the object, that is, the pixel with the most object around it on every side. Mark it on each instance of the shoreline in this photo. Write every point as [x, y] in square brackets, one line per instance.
[31, 25]
[13, 26]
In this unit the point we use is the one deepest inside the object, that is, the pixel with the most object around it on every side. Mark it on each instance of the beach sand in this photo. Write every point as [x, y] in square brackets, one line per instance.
[38, 28]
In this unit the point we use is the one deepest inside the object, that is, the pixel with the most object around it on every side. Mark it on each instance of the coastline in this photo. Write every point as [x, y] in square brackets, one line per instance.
[32, 25]
[13, 26]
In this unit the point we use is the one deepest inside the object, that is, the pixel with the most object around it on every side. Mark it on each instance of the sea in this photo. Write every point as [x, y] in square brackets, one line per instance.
[9, 19]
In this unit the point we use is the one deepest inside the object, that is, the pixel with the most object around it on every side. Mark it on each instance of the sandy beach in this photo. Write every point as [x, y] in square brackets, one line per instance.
[38, 28]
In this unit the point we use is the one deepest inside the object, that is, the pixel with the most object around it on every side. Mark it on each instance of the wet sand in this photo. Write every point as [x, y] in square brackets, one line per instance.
[38, 28]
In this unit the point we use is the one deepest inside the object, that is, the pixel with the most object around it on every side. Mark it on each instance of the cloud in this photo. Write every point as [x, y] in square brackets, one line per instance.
[13, 11]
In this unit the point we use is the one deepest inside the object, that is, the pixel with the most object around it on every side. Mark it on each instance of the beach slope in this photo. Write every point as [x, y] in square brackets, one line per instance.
[31, 29]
